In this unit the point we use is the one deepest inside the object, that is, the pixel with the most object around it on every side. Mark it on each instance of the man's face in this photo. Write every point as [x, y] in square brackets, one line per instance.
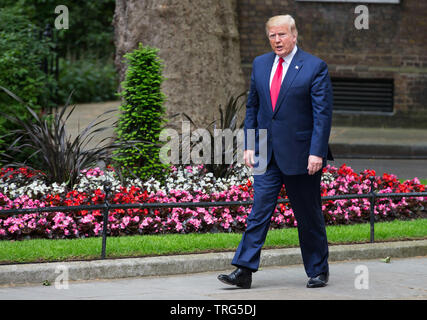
[282, 41]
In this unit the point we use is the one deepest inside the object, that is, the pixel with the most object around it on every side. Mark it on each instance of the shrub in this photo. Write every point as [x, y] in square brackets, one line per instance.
[21, 56]
[90, 24]
[142, 114]
[91, 80]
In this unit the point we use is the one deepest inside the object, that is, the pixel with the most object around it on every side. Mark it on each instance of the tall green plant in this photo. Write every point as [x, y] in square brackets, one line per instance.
[143, 114]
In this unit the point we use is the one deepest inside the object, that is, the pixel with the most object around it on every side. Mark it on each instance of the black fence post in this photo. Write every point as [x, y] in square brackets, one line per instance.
[50, 66]
[372, 213]
[107, 189]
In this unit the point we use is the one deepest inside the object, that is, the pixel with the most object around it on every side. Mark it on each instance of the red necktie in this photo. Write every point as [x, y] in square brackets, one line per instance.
[276, 83]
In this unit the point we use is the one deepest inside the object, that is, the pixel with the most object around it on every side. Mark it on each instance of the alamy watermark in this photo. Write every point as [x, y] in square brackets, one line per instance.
[61, 21]
[361, 282]
[362, 20]
[61, 281]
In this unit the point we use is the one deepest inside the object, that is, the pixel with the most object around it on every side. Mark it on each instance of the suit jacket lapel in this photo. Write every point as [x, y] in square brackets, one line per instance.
[294, 68]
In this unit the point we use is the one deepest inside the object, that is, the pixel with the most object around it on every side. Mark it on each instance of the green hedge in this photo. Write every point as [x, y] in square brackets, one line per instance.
[92, 80]
[143, 114]
[86, 48]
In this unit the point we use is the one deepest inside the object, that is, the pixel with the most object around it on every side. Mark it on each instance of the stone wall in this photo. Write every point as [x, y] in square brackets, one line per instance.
[393, 47]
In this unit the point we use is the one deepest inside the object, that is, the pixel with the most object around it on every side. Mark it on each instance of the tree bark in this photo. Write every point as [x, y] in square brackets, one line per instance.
[199, 46]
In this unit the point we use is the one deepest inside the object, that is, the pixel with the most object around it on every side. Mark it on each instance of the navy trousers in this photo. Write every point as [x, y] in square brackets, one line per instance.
[304, 195]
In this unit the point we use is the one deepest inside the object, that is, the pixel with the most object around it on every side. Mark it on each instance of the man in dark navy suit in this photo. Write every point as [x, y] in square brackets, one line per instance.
[291, 99]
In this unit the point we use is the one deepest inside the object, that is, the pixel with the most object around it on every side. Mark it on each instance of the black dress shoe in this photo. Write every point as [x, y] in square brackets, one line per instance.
[240, 277]
[319, 281]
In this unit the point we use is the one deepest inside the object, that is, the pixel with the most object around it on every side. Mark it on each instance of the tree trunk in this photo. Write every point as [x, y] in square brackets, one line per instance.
[199, 45]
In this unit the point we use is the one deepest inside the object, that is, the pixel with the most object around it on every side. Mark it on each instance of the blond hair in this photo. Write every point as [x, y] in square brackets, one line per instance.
[280, 21]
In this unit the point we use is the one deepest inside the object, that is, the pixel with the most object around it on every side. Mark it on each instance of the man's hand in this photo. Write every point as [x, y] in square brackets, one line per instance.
[314, 164]
[248, 156]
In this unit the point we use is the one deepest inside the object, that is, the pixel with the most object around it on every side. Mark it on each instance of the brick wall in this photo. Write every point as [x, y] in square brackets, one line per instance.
[394, 47]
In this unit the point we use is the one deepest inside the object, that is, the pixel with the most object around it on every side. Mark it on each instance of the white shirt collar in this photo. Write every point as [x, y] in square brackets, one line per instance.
[288, 58]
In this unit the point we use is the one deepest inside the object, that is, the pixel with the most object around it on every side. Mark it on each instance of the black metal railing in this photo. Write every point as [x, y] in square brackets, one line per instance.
[106, 207]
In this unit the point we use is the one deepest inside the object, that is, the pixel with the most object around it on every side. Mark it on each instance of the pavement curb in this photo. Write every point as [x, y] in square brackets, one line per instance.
[37, 273]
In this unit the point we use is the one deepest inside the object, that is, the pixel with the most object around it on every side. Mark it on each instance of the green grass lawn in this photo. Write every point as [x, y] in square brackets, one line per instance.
[41, 250]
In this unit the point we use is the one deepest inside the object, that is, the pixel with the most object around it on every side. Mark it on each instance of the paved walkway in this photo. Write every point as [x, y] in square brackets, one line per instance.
[85, 113]
[404, 278]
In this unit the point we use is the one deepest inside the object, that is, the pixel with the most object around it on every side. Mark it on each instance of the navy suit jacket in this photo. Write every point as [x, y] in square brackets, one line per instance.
[301, 122]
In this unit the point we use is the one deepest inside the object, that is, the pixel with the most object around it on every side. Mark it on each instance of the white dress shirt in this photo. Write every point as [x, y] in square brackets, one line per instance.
[286, 62]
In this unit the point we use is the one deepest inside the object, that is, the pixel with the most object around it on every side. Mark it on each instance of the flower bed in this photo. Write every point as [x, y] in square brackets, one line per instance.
[19, 189]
